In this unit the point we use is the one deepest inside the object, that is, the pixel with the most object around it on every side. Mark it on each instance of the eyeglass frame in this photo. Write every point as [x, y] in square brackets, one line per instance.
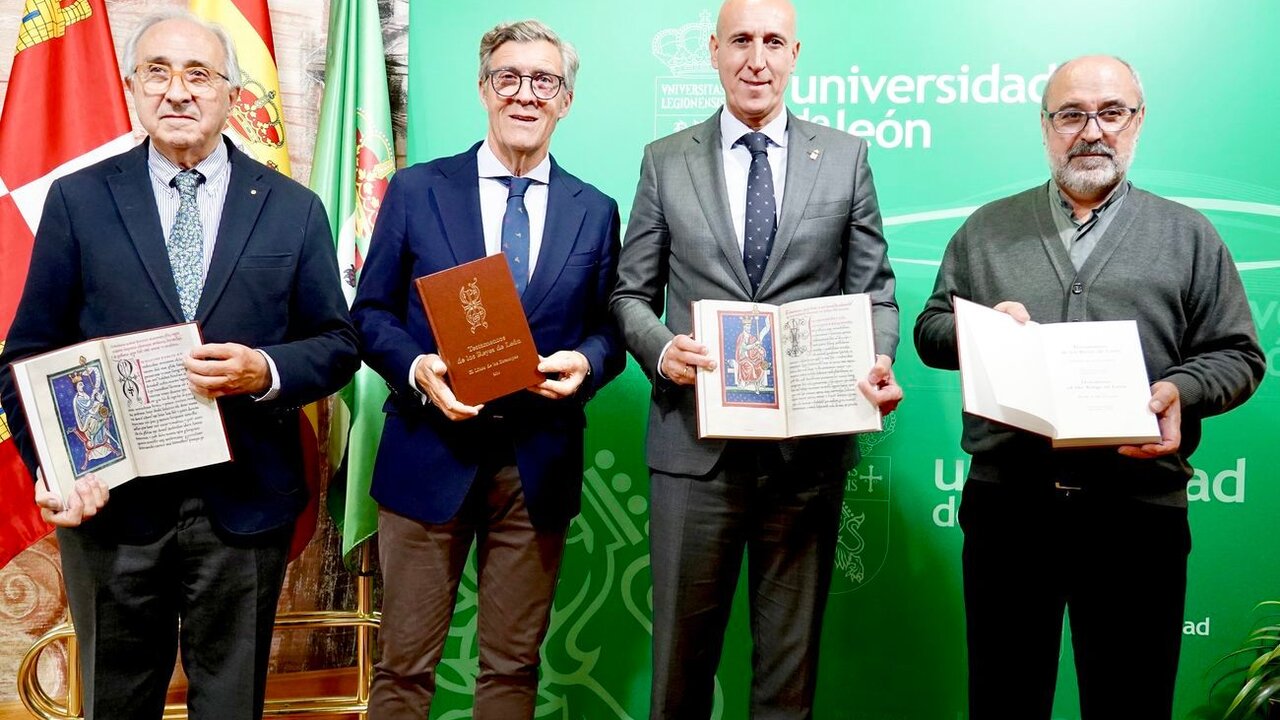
[493, 83]
[173, 72]
[1133, 113]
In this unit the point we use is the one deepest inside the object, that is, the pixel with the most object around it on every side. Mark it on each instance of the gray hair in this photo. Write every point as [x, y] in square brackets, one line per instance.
[129, 58]
[1137, 82]
[528, 31]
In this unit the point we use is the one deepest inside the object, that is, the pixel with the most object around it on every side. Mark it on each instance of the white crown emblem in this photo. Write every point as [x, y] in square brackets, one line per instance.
[684, 49]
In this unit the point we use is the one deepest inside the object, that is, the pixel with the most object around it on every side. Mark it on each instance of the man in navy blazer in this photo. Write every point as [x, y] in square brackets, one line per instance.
[508, 474]
[194, 558]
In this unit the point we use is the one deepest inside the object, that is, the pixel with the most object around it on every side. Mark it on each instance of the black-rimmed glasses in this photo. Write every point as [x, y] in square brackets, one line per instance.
[506, 83]
[1072, 121]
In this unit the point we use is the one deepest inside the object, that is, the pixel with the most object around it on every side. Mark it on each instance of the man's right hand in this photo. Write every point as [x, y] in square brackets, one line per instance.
[429, 374]
[89, 497]
[683, 357]
[1015, 310]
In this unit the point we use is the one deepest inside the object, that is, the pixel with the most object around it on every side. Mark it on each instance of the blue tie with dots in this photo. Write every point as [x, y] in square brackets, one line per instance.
[186, 243]
[515, 230]
[762, 217]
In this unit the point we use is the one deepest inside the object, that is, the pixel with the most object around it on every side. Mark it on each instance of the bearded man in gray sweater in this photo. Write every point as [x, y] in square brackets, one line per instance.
[1102, 532]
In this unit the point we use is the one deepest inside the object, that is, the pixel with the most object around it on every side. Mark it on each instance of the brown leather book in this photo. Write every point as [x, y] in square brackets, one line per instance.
[480, 329]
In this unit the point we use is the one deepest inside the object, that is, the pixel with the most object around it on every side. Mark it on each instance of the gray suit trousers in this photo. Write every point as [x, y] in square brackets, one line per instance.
[787, 523]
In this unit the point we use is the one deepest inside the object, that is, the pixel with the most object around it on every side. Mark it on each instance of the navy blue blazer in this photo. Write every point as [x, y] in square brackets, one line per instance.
[430, 221]
[99, 267]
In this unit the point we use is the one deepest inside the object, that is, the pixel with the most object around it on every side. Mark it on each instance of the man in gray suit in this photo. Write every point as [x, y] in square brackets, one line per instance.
[814, 231]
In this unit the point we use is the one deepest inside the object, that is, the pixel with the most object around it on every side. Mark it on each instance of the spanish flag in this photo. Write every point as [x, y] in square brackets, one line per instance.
[257, 118]
[257, 121]
[64, 109]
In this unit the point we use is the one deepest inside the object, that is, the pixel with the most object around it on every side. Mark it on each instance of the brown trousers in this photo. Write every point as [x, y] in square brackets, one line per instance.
[516, 570]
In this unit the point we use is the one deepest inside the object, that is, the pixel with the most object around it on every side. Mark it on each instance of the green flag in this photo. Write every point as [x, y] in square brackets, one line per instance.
[354, 160]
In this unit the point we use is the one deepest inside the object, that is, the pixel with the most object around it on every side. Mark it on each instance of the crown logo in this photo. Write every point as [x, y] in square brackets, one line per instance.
[256, 114]
[684, 49]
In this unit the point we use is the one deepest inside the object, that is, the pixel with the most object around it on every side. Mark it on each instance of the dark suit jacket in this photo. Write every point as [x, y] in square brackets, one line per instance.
[681, 246]
[100, 267]
[430, 221]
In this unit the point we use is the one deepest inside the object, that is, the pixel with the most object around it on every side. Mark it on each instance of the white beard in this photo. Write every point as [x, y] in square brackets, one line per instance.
[1090, 175]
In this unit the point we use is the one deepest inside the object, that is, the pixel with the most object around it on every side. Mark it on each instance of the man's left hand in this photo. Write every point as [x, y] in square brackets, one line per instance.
[565, 371]
[880, 387]
[1166, 403]
[218, 369]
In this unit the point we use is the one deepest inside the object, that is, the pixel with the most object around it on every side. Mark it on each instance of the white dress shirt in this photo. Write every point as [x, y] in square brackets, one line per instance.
[493, 201]
[737, 163]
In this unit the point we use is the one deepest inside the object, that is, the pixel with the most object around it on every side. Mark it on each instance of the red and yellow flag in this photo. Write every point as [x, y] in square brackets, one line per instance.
[257, 118]
[257, 121]
[64, 109]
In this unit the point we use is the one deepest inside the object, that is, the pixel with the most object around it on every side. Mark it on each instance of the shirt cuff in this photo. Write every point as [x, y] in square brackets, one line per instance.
[413, 380]
[661, 355]
[274, 390]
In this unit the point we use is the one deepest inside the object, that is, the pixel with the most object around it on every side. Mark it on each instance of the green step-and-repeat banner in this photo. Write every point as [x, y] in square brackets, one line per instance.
[948, 95]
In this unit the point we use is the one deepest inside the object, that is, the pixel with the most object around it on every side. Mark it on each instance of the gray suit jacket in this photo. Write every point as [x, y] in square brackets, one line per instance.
[680, 246]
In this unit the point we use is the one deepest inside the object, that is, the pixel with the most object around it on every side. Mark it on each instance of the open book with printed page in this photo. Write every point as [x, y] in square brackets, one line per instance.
[119, 407]
[1080, 384]
[785, 370]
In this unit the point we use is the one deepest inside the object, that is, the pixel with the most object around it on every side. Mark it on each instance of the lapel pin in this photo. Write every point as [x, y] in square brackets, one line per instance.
[253, 191]
[813, 154]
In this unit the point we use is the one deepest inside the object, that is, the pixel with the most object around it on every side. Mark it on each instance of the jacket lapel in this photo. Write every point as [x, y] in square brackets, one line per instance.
[136, 203]
[804, 157]
[458, 204]
[559, 233]
[706, 168]
[246, 194]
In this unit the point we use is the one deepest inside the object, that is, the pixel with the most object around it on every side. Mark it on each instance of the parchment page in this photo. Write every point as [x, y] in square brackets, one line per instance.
[742, 397]
[172, 429]
[827, 346]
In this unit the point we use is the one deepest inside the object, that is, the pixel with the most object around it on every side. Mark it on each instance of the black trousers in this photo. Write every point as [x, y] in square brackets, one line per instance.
[134, 605]
[1117, 566]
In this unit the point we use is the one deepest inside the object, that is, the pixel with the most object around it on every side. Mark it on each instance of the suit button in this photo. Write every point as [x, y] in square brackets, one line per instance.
[1077, 288]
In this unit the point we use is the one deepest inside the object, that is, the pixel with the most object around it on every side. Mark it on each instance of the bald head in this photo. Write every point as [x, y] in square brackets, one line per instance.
[1090, 71]
[754, 50]
[781, 9]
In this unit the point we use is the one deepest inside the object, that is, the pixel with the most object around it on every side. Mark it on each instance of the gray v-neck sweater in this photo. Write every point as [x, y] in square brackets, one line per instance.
[1159, 263]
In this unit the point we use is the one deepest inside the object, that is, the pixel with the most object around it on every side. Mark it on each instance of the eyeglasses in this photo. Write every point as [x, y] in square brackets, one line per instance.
[156, 78]
[1112, 119]
[506, 83]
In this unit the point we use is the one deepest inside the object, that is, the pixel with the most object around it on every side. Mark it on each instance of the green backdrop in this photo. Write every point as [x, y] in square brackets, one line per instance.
[948, 96]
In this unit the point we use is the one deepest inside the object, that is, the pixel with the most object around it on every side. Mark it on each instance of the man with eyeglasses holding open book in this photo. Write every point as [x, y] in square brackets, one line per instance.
[1100, 532]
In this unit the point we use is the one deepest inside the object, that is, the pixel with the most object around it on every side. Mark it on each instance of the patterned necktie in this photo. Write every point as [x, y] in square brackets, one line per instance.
[762, 218]
[186, 243]
[515, 230]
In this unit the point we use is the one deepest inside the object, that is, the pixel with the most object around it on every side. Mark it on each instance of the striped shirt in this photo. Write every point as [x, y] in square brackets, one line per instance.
[210, 194]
